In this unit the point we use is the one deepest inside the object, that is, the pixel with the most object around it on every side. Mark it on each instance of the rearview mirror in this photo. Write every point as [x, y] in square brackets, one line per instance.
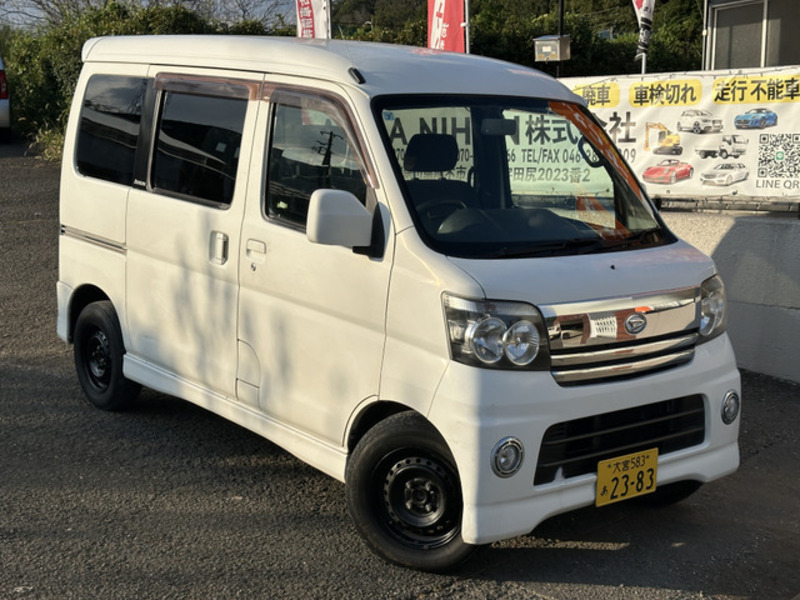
[499, 127]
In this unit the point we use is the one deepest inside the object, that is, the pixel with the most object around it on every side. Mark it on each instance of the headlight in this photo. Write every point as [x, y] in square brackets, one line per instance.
[492, 334]
[713, 307]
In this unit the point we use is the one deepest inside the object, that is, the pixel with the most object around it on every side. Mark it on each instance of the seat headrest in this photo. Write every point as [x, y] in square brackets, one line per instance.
[431, 152]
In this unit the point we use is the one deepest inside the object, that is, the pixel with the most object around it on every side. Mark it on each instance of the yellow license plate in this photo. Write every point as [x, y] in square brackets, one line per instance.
[626, 477]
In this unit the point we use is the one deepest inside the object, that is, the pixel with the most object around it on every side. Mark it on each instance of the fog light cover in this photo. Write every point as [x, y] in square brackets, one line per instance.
[507, 457]
[730, 407]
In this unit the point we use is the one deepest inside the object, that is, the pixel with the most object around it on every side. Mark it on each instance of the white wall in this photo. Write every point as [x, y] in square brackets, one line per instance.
[758, 258]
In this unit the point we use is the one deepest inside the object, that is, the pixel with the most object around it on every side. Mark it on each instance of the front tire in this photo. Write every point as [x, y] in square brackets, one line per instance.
[98, 351]
[404, 495]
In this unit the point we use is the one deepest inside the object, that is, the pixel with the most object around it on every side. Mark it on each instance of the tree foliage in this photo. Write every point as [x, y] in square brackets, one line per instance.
[270, 13]
[603, 32]
[43, 65]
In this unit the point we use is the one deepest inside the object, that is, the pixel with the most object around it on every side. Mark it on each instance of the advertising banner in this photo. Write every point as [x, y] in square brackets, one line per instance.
[705, 134]
[445, 30]
[313, 19]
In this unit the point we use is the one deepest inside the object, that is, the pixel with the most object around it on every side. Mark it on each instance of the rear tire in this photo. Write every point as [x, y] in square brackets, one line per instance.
[404, 495]
[98, 351]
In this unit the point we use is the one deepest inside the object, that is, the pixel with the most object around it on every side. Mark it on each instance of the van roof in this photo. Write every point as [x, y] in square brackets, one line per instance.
[386, 69]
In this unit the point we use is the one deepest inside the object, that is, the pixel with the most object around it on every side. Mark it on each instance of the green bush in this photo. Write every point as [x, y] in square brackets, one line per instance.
[43, 65]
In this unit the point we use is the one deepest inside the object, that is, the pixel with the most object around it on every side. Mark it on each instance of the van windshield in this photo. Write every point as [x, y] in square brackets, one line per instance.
[510, 177]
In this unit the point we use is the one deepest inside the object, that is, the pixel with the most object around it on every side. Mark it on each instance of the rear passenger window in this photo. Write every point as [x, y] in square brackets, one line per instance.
[197, 146]
[109, 127]
[312, 148]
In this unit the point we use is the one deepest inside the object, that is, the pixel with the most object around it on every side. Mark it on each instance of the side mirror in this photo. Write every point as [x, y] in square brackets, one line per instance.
[337, 218]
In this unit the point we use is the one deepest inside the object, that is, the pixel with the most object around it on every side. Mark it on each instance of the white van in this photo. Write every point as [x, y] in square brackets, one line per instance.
[430, 275]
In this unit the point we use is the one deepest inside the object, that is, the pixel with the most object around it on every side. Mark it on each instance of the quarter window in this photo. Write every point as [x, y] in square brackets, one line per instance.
[197, 146]
[109, 127]
[311, 148]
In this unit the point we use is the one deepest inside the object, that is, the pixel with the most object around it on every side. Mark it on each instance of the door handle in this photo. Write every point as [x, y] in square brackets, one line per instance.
[219, 248]
[256, 251]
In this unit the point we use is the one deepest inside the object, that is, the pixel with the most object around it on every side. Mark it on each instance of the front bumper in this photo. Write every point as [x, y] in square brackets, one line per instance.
[475, 408]
[657, 178]
[748, 124]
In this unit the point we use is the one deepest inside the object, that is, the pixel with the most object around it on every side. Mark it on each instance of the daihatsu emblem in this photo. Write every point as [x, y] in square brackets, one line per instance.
[635, 324]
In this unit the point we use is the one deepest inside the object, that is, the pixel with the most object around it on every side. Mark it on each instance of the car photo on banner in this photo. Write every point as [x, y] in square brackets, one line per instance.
[669, 170]
[725, 174]
[698, 121]
[756, 118]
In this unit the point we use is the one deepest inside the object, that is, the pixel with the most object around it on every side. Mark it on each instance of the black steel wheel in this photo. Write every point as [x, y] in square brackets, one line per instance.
[98, 351]
[404, 495]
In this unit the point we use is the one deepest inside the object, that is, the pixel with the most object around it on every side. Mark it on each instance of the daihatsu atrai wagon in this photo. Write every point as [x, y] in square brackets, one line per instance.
[430, 275]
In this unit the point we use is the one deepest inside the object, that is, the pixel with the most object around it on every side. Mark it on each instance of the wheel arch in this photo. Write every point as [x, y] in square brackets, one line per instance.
[80, 299]
[369, 416]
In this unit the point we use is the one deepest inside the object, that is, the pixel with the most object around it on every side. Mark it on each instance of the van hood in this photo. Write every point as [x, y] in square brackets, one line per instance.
[564, 279]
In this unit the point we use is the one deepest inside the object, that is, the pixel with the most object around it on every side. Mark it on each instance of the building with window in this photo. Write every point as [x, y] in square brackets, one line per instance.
[751, 33]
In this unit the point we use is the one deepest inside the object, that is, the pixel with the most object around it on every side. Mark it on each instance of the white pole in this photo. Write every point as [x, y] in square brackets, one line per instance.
[703, 66]
[466, 26]
[328, 17]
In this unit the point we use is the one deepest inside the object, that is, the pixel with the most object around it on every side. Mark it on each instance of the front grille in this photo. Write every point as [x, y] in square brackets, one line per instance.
[613, 338]
[621, 360]
[575, 447]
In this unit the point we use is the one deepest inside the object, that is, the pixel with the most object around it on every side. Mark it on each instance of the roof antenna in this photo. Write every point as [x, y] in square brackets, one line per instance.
[352, 71]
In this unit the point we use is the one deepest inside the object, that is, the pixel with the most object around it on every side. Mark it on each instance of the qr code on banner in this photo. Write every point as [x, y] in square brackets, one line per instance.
[779, 155]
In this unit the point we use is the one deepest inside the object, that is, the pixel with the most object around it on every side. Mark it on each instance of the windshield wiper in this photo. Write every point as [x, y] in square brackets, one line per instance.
[547, 248]
[574, 246]
[636, 239]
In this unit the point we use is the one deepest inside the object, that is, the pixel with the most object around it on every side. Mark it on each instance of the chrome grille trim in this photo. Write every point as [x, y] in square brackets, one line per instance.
[610, 338]
[623, 352]
[622, 369]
